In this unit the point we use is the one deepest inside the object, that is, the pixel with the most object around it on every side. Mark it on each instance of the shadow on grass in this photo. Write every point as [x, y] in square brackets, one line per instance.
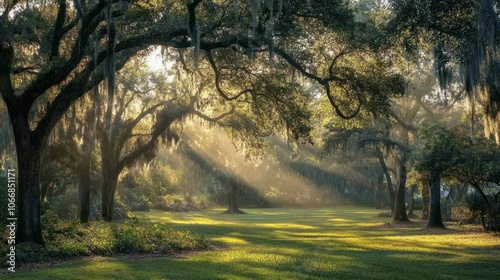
[346, 243]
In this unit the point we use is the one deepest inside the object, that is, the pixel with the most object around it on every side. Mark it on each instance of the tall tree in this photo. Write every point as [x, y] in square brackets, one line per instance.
[433, 159]
[63, 51]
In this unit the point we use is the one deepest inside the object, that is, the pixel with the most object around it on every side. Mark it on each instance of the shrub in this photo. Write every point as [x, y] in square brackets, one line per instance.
[461, 212]
[65, 205]
[135, 200]
[66, 239]
[180, 203]
[475, 209]
[120, 208]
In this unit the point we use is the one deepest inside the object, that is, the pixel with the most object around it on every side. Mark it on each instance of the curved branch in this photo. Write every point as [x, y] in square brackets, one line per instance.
[215, 119]
[123, 137]
[337, 108]
[58, 27]
[192, 13]
[173, 115]
[59, 73]
[217, 81]
[89, 78]
[297, 65]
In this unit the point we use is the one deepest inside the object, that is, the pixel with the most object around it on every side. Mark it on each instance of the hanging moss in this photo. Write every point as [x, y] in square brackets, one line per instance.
[110, 63]
[270, 31]
[196, 37]
[255, 10]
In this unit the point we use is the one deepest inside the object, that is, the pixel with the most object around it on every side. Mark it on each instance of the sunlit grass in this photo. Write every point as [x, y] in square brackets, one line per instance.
[338, 243]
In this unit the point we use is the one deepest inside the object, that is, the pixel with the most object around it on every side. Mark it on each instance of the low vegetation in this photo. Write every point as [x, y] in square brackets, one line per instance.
[68, 239]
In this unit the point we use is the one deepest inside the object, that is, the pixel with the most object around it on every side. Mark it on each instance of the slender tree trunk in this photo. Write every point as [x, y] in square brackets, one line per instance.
[425, 202]
[435, 219]
[390, 187]
[84, 169]
[29, 227]
[83, 184]
[411, 201]
[400, 209]
[472, 104]
[379, 192]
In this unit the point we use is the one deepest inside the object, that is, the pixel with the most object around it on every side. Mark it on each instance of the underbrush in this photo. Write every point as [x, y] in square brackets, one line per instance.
[66, 239]
[181, 203]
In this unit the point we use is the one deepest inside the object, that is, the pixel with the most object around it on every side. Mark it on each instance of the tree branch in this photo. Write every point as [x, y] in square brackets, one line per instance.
[173, 113]
[123, 137]
[217, 118]
[58, 26]
[217, 81]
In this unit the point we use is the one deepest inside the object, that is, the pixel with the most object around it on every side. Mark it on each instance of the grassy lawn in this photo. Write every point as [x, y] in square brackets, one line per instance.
[338, 243]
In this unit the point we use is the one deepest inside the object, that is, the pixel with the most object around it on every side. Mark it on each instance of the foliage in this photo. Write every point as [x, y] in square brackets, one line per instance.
[66, 239]
[440, 151]
[475, 209]
[180, 203]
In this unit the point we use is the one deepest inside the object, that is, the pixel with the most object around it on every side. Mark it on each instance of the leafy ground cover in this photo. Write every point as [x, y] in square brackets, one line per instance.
[337, 243]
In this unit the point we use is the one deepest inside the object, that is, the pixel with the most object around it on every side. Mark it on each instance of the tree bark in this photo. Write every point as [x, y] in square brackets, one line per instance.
[233, 200]
[84, 168]
[400, 209]
[29, 227]
[390, 187]
[411, 201]
[83, 184]
[379, 192]
[435, 219]
[425, 202]
[108, 198]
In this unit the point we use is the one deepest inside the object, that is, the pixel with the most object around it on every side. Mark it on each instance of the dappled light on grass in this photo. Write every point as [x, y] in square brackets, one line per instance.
[337, 243]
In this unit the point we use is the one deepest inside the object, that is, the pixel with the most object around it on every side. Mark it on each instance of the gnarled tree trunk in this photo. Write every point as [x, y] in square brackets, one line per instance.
[29, 227]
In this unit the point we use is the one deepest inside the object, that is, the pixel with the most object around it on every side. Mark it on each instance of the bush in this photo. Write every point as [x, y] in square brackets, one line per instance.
[181, 203]
[135, 200]
[65, 205]
[475, 209]
[66, 239]
[120, 208]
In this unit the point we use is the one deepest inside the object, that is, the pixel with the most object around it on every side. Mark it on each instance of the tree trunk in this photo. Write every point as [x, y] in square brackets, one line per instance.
[379, 192]
[435, 219]
[83, 184]
[84, 169]
[233, 200]
[400, 209]
[108, 196]
[411, 201]
[425, 202]
[390, 187]
[29, 227]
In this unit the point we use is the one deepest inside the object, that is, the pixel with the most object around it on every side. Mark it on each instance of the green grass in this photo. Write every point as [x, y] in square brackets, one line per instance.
[338, 243]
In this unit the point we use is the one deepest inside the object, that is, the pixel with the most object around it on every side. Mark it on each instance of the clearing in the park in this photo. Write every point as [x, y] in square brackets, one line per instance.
[333, 243]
